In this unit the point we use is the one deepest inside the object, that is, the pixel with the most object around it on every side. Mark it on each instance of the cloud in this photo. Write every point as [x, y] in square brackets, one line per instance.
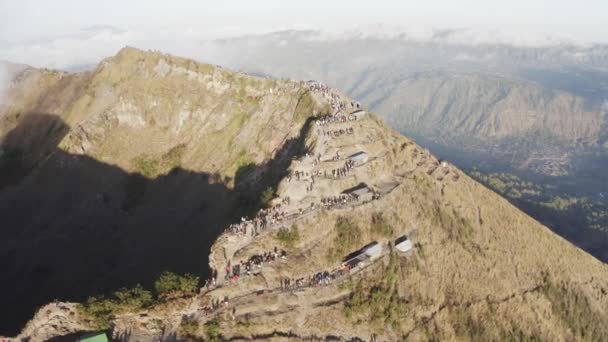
[81, 48]
[454, 36]
[84, 48]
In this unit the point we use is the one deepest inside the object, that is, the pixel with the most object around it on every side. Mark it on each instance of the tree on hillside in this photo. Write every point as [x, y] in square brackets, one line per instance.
[267, 196]
[171, 285]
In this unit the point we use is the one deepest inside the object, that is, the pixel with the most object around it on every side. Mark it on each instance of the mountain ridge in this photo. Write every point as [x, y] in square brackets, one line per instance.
[479, 267]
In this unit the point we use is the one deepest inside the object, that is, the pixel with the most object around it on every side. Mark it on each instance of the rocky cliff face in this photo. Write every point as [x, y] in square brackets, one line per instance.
[478, 269]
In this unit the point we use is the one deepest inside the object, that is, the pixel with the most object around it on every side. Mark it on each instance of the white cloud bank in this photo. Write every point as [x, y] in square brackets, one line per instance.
[82, 48]
[85, 48]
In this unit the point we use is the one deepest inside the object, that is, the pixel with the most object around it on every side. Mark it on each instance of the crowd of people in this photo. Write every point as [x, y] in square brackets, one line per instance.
[263, 219]
[304, 175]
[215, 305]
[317, 279]
[335, 101]
[300, 175]
[315, 86]
[310, 186]
[324, 120]
[255, 262]
[314, 280]
[343, 171]
[332, 202]
[336, 133]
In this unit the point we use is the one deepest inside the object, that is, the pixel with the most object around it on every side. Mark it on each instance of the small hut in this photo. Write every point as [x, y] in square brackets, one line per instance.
[403, 244]
[357, 260]
[98, 336]
[362, 192]
[359, 157]
[373, 250]
[360, 114]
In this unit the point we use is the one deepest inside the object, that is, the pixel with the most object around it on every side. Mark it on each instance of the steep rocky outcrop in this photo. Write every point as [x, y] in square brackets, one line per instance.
[479, 269]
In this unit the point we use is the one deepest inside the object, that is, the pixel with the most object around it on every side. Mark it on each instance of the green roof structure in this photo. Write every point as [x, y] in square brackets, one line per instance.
[98, 336]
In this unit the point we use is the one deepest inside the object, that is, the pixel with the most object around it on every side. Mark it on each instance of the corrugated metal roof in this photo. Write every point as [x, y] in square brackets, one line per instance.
[361, 192]
[94, 337]
[354, 261]
[404, 245]
[358, 156]
[374, 250]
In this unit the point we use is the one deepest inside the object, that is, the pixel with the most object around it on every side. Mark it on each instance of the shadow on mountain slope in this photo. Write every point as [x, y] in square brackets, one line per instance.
[22, 148]
[73, 226]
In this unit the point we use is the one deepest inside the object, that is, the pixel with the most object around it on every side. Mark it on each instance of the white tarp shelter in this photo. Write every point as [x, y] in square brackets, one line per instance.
[373, 250]
[364, 194]
[403, 244]
[359, 114]
[359, 157]
[356, 260]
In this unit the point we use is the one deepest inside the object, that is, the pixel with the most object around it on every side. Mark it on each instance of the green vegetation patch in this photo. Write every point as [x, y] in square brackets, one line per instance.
[151, 167]
[243, 159]
[561, 202]
[189, 327]
[487, 328]
[103, 310]
[573, 307]
[146, 166]
[267, 195]
[304, 107]
[457, 227]
[348, 237]
[289, 237]
[212, 331]
[568, 302]
[507, 184]
[173, 158]
[547, 202]
[379, 302]
[171, 285]
[380, 226]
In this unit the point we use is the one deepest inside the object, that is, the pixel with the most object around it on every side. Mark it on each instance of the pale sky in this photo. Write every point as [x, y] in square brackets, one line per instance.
[34, 30]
